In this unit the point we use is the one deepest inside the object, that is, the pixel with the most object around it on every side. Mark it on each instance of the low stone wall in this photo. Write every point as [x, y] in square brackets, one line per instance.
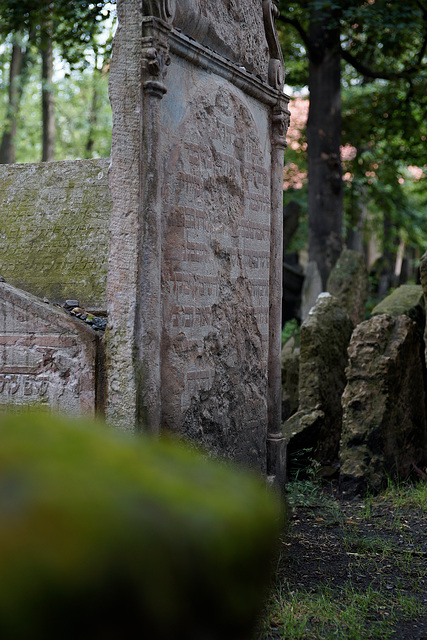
[54, 229]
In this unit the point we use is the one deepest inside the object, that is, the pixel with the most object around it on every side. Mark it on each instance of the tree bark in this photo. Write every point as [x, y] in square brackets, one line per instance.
[325, 191]
[7, 147]
[48, 152]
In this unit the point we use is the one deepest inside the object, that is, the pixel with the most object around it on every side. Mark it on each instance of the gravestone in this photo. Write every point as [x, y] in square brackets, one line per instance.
[384, 421]
[47, 359]
[54, 224]
[324, 339]
[194, 283]
[348, 282]
[311, 289]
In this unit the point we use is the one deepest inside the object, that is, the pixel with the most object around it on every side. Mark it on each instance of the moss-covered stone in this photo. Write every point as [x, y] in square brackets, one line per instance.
[58, 213]
[104, 536]
[406, 300]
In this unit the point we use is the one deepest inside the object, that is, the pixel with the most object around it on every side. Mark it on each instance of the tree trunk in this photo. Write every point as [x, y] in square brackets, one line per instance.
[94, 108]
[48, 152]
[325, 191]
[7, 147]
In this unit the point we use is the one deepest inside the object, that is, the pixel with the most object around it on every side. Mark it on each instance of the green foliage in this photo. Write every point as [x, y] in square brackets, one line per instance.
[106, 536]
[290, 330]
[384, 100]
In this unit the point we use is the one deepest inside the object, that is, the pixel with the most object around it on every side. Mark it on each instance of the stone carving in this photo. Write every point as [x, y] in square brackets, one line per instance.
[276, 76]
[233, 28]
[163, 9]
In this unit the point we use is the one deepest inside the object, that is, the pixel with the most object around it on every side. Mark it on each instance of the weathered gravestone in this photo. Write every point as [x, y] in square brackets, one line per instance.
[199, 123]
[384, 422]
[54, 221]
[311, 289]
[324, 339]
[348, 282]
[47, 359]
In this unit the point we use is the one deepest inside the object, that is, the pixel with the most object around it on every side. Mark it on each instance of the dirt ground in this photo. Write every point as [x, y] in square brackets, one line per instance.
[367, 545]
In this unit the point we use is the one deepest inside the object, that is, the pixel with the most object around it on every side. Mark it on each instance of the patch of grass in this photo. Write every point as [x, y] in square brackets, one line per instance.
[336, 613]
[407, 495]
[377, 576]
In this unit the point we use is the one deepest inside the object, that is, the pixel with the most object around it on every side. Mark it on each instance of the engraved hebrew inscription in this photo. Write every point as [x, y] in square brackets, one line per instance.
[217, 246]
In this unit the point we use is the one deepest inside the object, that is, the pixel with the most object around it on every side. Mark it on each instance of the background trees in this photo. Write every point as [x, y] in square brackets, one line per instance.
[33, 32]
[365, 66]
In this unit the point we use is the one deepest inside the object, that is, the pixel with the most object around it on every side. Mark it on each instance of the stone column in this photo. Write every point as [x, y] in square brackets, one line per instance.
[134, 281]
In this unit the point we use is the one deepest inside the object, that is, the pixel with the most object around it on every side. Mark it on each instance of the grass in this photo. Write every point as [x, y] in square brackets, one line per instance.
[379, 577]
[336, 613]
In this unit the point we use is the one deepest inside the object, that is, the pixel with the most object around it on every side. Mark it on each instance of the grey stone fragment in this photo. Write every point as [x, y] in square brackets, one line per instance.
[384, 423]
[349, 283]
[323, 357]
[311, 289]
[70, 304]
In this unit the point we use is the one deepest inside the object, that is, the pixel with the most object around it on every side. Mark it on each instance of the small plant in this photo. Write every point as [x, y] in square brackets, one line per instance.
[290, 330]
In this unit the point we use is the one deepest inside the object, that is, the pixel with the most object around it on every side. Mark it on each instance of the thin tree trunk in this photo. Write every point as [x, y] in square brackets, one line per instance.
[48, 152]
[7, 147]
[325, 191]
[94, 107]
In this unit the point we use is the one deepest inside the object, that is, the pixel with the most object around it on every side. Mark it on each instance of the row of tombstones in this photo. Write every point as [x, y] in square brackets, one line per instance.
[353, 388]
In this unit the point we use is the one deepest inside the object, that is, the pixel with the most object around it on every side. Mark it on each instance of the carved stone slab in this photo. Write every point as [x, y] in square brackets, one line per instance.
[196, 244]
[54, 222]
[47, 359]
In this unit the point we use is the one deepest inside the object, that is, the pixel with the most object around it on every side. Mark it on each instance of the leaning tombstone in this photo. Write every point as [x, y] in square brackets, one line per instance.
[316, 426]
[348, 282]
[48, 359]
[384, 422]
[194, 282]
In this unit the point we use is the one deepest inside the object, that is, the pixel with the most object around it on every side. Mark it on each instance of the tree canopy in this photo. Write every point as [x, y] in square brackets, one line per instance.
[380, 47]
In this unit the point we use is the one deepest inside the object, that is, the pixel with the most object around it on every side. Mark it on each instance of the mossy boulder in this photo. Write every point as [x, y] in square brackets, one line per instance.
[104, 536]
[406, 300]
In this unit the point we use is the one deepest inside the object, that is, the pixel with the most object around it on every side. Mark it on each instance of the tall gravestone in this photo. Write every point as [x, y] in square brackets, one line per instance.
[194, 283]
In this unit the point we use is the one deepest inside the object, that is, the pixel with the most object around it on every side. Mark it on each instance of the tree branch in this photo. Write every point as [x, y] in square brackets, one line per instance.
[298, 26]
[372, 73]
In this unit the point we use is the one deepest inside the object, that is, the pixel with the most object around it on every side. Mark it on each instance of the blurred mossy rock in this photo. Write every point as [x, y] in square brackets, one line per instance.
[408, 300]
[384, 423]
[290, 377]
[348, 282]
[311, 289]
[107, 536]
[324, 339]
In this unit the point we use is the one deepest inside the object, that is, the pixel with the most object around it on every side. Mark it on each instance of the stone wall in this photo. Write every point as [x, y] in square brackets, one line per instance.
[54, 226]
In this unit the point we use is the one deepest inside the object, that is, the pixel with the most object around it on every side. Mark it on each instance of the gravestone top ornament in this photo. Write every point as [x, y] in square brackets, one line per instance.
[194, 283]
